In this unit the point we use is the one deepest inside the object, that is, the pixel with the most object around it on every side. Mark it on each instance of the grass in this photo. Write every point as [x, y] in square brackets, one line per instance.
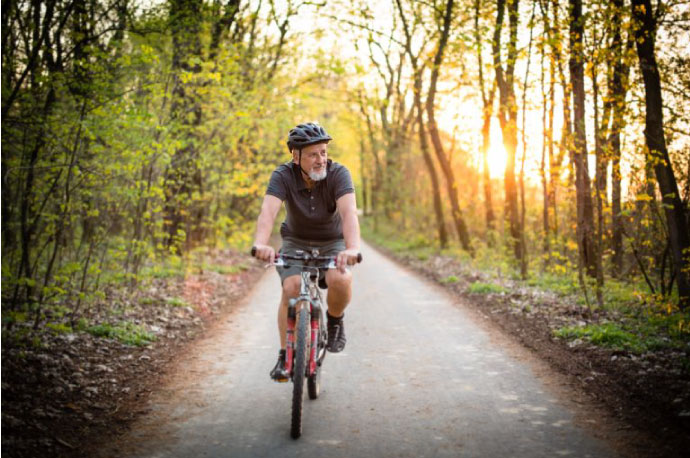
[450, 279]
[127, 333]
[561, 284]
[59, 328]
[177, 302]
[613, 335]
[162, 271]
[486, 288]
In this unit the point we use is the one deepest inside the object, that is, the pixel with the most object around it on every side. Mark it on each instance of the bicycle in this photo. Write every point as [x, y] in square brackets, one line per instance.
[306, 331]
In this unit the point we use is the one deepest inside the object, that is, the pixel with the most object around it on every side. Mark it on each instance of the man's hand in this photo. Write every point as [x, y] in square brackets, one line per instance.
[265, 253]
[346, 258]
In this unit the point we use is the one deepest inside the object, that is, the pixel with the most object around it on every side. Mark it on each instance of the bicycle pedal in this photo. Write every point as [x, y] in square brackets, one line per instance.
[281, 380]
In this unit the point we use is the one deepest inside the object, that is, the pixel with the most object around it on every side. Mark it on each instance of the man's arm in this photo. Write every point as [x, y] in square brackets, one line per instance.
[347, 207]
[264, 225]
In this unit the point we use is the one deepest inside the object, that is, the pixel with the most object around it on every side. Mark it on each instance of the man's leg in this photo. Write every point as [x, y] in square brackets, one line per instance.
[339, 295]
[339, 291]
[290, 290]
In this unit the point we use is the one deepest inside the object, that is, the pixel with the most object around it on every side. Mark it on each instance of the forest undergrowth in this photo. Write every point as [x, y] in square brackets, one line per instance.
[85, 375]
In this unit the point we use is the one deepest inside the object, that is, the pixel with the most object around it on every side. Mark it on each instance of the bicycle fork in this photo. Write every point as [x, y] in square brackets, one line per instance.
[314, 337]
[290, 347]
[314, 343]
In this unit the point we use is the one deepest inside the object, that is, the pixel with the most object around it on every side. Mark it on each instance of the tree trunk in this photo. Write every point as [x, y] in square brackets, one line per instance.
[487, 114]
[378, 170]
[657, 156]
[222, 25]
[618, 91]
[585, 212]
[601, 167]
[566, 130]
[525, 87]
[443, 159]
[183, 176]
[424, 145]
[507, 115]
[547, 144]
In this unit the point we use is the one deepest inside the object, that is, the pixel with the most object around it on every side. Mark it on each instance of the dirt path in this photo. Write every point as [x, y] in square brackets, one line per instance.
[422, 376]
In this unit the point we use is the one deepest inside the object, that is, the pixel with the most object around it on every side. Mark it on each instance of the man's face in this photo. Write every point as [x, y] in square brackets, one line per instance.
[314, 159]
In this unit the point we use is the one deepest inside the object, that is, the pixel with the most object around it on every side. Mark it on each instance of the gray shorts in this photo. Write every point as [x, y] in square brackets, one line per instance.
[291, 245]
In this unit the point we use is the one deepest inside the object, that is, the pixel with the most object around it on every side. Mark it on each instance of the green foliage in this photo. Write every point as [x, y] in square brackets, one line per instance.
[12, 317]
[653, 331]
[608, 335]
[127, 333]
[161, 270]
[450, 279]
[21, 337]
[59, 328]
[177, 302]
[565, 284]
[486, 288]
[110, 159]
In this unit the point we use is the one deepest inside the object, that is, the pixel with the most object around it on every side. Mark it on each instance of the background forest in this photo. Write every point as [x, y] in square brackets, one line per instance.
[533, 156]
[541, 140]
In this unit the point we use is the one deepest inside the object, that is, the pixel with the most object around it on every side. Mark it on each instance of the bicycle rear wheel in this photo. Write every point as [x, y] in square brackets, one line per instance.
[299, 372]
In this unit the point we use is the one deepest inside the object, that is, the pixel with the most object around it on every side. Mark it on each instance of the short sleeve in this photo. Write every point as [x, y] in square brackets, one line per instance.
[276, 186]
[343, 183]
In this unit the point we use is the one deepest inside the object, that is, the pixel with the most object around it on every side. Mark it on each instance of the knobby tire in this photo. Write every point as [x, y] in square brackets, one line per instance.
[314, 380]
[299, 372]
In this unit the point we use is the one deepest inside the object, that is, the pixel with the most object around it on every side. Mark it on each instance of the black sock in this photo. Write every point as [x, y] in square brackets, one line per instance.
[333, 319]
[282, 354]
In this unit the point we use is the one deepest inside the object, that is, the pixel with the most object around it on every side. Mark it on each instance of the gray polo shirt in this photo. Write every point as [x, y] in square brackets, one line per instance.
[311, 213]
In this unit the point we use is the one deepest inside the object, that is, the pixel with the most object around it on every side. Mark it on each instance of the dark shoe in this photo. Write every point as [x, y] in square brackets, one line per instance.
[336, 335]
[279, 374]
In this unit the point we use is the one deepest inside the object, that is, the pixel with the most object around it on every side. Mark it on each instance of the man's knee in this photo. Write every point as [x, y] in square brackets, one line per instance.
[338, 281]
[291, 286]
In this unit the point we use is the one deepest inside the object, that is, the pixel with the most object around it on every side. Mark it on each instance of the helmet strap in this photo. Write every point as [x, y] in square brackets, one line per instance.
[299, 161]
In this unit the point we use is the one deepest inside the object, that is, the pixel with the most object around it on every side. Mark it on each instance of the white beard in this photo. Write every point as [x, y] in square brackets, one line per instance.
[318, 176]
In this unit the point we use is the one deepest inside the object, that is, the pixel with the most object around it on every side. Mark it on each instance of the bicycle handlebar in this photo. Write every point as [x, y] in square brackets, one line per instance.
[306, 257]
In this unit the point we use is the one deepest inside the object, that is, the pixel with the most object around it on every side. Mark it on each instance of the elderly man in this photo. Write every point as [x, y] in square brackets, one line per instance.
[319, 198]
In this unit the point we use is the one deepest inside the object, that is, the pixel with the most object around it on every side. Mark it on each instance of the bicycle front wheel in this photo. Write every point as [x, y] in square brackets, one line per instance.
[299, 372]
[314, 380]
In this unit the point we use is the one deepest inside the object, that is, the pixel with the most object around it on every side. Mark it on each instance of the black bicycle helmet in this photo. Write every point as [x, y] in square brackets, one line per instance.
[307, 134]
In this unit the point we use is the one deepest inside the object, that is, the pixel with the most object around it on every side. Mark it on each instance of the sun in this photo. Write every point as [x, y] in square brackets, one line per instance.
[497, 156]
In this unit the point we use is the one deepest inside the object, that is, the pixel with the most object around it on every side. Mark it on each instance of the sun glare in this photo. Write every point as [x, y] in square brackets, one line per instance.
[497, 153]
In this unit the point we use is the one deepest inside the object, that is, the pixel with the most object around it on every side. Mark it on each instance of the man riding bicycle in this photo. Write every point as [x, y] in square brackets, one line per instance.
[319, 198]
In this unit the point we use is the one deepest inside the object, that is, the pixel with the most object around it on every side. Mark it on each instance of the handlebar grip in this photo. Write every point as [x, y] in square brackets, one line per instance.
[359, 258]
[253, 251]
